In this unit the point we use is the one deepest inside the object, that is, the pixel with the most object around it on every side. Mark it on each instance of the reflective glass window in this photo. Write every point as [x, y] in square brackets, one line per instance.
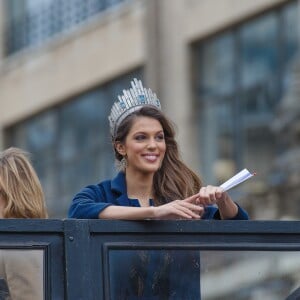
[154, 274]
[31, 22]
[22, 274]
[217, 66]
[242, 75]
[245, 275]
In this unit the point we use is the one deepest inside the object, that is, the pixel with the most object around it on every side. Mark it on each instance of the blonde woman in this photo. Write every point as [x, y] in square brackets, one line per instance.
[21, 196]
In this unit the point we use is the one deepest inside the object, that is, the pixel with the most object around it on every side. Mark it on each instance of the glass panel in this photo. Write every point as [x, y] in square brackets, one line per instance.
[258, 142]
[248, 275]
[31, 22]
[259, 50]
[216, 85]
[33, 5]
[217, 137]
[239, 85]
[22, 274]
[290, 28]
[217, 66]
[84, 133]
[154, 274]
[82, 123]
[260, 91]
[259, 151]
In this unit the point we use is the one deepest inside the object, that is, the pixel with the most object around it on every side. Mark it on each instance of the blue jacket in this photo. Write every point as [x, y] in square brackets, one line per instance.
[91, 200]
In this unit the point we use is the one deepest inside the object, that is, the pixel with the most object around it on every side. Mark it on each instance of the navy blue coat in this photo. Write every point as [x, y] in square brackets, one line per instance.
[90, 201]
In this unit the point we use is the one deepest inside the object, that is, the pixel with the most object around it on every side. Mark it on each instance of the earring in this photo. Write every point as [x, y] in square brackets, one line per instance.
[123, 163]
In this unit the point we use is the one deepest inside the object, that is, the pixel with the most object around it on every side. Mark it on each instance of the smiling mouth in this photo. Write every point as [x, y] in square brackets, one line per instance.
[150, 157]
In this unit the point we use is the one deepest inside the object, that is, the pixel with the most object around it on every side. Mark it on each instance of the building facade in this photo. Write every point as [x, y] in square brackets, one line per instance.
[223, 71]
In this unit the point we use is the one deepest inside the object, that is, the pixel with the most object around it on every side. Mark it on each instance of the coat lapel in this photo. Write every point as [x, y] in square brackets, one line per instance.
[118, 185]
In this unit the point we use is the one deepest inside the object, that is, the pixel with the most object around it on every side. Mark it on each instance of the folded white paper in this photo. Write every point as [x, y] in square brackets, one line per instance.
[237, 179]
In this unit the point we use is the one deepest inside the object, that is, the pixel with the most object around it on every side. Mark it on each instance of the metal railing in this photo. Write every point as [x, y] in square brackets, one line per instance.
[91, 259]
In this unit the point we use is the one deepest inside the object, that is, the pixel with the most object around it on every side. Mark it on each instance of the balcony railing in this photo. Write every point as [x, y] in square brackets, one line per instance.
[98, 259]
[34, 27]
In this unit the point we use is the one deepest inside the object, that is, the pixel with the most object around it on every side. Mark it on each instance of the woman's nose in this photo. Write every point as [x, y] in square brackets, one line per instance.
[152, 143]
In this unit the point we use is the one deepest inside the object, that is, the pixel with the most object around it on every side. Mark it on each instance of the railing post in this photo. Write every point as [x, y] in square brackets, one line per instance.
[77, 260]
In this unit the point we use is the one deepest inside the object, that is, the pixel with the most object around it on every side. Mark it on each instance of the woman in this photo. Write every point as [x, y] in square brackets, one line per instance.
[21, 196]
[153, 183]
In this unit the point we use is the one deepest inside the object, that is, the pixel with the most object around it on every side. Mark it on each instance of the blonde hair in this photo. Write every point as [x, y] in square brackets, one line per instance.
[20, 187]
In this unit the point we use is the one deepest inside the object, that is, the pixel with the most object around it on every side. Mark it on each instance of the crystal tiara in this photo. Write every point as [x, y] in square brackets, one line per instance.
[131, 100]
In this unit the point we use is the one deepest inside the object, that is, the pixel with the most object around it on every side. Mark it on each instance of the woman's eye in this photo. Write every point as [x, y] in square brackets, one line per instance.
[160, 137]
[140, 137]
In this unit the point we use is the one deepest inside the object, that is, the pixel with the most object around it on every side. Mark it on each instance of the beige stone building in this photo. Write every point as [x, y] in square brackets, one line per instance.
[220, 68]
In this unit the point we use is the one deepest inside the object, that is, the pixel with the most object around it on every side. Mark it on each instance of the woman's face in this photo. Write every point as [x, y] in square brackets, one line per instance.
[144, 145]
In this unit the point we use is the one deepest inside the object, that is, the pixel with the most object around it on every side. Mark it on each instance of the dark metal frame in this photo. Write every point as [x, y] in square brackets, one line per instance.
[76, 251]
[41, 235]
[189, 235]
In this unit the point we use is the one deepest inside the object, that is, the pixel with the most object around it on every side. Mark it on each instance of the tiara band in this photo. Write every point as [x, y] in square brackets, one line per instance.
[132, 100]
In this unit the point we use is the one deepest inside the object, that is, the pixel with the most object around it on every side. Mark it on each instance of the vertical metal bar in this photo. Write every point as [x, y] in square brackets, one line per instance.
[77, 260]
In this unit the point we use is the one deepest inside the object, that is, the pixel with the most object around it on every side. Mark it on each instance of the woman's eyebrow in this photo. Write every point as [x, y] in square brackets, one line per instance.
[146, 132]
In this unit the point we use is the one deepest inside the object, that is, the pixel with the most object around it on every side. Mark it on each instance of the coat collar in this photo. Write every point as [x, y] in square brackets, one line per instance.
[118, 185]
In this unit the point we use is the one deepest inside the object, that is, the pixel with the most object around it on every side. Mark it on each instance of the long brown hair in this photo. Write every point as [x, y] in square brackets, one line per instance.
[174, 180]
[20, 188]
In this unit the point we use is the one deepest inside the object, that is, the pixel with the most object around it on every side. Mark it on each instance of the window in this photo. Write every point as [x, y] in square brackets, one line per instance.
[241, 77]
[31, 22]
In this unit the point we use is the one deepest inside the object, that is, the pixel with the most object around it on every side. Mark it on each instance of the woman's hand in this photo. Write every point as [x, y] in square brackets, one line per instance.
[188, 208]
[210, 195]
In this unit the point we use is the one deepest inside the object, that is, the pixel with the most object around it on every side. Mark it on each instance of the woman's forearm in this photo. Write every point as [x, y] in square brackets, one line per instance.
[177, 209]
[127, 213]
[227, 208]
